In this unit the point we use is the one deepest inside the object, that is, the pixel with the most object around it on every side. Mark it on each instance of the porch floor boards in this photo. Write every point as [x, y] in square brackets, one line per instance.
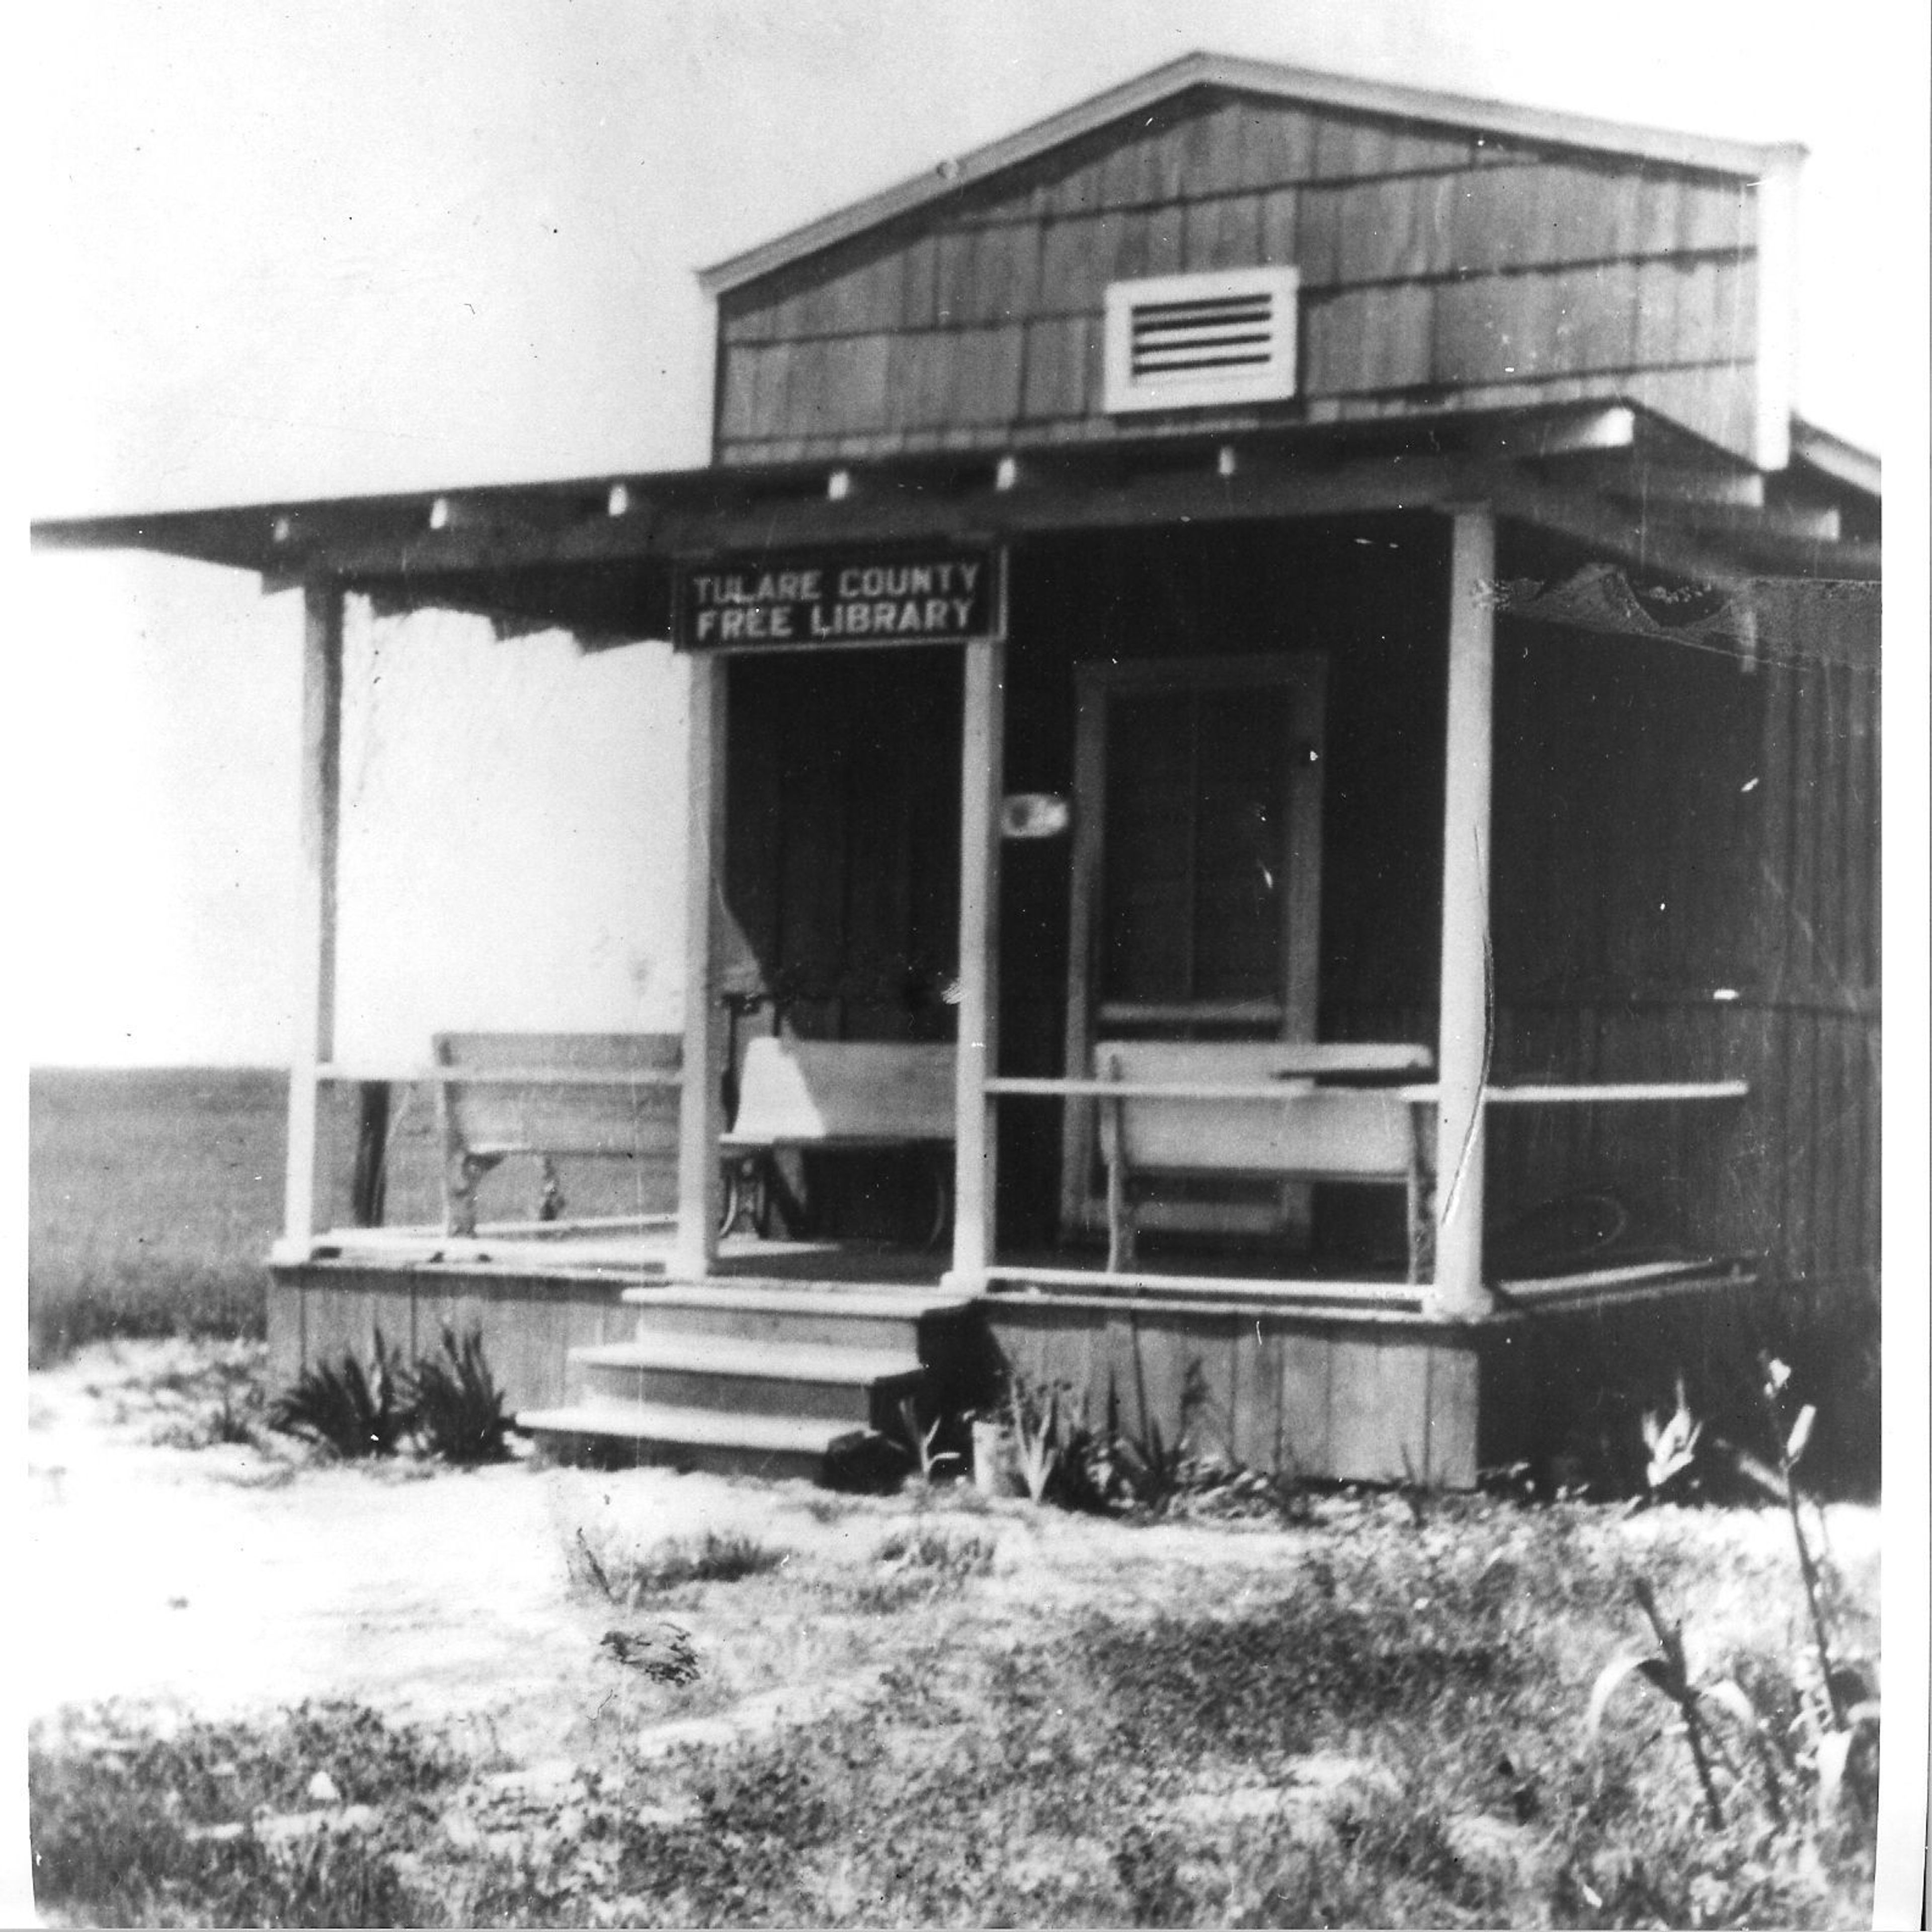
[641, 1258]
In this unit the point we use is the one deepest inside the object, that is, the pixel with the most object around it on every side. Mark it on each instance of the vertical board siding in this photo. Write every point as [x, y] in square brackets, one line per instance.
[529, 1324]
[1359, 1418]
[1434, 267]
[1296, 1394]
[288, 1349]
[1256, 1377]
[1454, 1398]
[1668, 828]
[1808, 777]
[1305, 1400]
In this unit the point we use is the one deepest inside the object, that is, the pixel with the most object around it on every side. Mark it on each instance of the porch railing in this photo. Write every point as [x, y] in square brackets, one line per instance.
[1422, 1097]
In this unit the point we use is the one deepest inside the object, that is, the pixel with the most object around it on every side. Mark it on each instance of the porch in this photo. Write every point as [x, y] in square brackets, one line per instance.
[1420, 928]
[1306, 1376]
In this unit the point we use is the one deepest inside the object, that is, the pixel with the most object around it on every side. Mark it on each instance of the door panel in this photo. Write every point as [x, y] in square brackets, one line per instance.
[1196, 887]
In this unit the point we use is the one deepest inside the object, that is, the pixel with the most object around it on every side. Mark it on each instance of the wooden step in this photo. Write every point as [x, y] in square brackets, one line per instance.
[716, 1372]
[660, 1434]
[883, 1319]
[759, 1377]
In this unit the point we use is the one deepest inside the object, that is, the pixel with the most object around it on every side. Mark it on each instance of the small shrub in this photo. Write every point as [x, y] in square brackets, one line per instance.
[352, 1414]
[663, 1653]
[455, 1406]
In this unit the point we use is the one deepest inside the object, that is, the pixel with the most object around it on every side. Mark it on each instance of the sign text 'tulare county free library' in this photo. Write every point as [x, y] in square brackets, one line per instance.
[948, 594]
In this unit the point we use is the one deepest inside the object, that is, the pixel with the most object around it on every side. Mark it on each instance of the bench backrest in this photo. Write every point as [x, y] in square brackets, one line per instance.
[1341, 1132]
[818, 1089]
[547, 1114]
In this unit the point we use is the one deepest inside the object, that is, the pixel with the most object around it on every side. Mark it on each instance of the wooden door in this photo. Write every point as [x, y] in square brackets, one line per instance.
[1196, 896]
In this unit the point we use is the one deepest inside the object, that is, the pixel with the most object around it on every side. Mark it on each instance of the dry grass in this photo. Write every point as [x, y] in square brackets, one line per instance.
[1367, 1719]
[152, 1199]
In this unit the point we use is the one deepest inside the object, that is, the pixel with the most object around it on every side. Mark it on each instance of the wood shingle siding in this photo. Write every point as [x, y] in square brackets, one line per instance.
[1436, 267]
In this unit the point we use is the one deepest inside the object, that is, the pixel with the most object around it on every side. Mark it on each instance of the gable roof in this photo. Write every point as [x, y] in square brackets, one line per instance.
[1542, 127]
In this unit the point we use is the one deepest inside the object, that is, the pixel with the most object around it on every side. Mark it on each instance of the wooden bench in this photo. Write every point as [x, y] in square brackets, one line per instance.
[1290, 1112]
[841, 1095]
[551, 1095]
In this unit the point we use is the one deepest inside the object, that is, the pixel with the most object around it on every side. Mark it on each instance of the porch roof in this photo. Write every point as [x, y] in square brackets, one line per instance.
[596, 554]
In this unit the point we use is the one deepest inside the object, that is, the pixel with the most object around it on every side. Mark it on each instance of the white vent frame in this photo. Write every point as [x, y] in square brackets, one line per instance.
[1264, 301]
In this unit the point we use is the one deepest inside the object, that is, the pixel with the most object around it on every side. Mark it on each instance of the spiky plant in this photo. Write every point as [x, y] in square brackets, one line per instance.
[457, 1408]
[1035, 1420]
[351, 1412]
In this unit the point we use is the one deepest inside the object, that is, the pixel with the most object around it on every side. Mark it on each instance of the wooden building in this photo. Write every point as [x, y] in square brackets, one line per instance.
[1282, 731]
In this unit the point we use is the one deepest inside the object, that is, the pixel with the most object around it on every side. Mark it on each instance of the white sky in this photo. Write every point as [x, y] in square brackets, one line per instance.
[305, 249]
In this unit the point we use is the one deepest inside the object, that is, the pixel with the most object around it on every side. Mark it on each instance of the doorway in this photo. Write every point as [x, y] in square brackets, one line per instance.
[840, 912]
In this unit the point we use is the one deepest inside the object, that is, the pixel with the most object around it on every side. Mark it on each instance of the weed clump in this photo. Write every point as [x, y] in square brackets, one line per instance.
[917, 1565]
[938, 1552]
[720, 1556]
[118, 1818]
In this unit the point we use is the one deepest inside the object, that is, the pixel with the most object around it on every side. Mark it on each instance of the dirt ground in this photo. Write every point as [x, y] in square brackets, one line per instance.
[232, 1578]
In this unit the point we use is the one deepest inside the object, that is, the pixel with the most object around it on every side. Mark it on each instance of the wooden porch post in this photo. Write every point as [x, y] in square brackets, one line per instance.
[1463, 1044]
[982, 777]
[315, 912]
[701, 1112]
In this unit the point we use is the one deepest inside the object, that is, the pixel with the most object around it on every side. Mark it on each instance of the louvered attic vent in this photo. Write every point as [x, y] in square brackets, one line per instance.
[1177, 342]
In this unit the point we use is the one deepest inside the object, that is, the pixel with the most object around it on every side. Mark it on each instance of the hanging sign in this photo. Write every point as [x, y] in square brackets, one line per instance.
[943, 594]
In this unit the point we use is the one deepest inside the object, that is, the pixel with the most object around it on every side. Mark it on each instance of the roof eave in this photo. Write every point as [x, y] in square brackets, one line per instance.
[1542, 464]
[1542, 127]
